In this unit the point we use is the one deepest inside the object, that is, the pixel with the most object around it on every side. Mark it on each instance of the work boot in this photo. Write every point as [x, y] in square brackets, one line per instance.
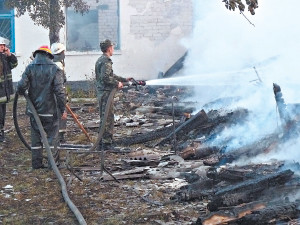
[37, 158]
[2, 136]
[61, 137]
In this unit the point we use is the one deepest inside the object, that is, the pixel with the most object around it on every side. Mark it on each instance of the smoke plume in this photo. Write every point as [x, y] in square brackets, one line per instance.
[224, 49]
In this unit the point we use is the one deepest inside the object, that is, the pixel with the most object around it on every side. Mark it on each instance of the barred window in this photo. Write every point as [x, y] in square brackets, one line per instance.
[7, 25]
[84, 32]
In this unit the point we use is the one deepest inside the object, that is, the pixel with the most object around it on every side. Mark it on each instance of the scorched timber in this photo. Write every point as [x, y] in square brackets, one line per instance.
[142, 138]
[282, 211]
[262, 146]
[248, 190]
[184, 129]
[230, 214]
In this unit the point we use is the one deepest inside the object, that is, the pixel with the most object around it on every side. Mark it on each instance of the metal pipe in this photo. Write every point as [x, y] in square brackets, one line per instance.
[173, 115]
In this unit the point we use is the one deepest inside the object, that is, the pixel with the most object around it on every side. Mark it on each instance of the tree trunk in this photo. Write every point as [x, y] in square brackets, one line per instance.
[54, 27]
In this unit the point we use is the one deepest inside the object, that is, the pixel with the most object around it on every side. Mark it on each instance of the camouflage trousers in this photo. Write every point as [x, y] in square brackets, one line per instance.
[50, 126]
[109, 125]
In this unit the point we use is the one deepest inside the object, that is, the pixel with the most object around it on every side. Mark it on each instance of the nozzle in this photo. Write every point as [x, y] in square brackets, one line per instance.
[141, 82]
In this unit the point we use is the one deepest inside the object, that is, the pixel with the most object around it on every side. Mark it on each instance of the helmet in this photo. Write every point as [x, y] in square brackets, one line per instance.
[44, 48]
[57, 48]
[4, 41]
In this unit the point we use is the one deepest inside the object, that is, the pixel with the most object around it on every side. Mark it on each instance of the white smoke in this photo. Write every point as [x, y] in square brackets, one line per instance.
[224, 41]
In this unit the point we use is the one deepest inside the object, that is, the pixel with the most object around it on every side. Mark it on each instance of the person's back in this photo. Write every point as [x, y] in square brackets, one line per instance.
[44, 82]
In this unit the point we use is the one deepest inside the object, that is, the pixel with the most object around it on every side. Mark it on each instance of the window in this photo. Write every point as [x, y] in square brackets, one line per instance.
[84, 32]
[7, 25]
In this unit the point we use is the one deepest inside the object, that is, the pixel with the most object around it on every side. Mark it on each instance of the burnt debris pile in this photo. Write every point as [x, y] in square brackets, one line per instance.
[232, 188]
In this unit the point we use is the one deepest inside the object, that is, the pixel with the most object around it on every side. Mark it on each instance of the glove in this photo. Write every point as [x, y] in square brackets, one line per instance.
[129, 78]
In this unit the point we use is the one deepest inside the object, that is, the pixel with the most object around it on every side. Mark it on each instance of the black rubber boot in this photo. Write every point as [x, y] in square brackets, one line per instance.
[37, 158]
[61, 137]
[2, 136]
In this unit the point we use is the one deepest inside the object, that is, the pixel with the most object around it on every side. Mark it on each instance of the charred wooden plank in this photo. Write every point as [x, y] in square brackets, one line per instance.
[199, 152]
[231, 174]
[227, 215]
[142, 138]
[203, 152]
[139, 163]
[248, 190]
[178, 110]
[282, 211]
[199, 190]
[266, 144]
[184, 129]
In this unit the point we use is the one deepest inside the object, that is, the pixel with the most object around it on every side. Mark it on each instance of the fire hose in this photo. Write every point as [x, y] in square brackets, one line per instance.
[67, 199]
[131, 82]
[71, 205]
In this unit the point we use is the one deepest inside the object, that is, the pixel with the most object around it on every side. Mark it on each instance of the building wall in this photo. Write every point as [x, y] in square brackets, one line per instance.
[149, 38]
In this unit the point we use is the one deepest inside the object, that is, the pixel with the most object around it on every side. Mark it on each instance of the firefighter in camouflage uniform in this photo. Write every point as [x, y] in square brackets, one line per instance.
[8, 61]
[106, 81]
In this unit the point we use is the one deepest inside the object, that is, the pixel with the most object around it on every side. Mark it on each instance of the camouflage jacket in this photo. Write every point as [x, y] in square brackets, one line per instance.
[106, 80]
[7, 63]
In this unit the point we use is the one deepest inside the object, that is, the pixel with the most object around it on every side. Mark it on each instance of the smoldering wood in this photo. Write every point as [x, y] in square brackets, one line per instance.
[142, 138]
[186, 127]
[178, 110]
[242, 173]
[282, 211]
[175, 67]
[199, 190]
[264, 145]
[203, 152]
[141, 163]
[248, 190]
[227, 215]
[199, 152]
[216, 123]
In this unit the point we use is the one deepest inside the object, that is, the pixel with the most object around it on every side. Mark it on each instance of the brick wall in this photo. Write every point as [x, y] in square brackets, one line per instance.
[154, 19]
[108, 15]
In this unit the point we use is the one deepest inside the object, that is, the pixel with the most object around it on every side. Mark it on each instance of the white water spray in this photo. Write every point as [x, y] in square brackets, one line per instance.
[224, 41]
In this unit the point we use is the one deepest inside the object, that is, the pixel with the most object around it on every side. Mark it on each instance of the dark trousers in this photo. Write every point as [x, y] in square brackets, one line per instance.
[62, 127]
[109, 125]
[50, 125]
[2, 115]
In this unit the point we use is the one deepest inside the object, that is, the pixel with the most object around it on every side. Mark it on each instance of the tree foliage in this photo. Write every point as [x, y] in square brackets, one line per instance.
[233, 4]
[47, 13]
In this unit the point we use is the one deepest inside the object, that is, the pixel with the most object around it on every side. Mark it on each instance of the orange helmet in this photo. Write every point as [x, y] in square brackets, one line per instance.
[46, 49]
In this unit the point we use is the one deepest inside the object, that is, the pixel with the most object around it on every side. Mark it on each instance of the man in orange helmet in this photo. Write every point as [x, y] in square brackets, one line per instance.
[44, 82]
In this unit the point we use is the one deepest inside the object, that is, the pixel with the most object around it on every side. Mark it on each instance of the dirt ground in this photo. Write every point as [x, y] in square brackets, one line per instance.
[34, 197]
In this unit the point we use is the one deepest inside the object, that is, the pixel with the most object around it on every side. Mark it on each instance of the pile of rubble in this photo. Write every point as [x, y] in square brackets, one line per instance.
[153, 147]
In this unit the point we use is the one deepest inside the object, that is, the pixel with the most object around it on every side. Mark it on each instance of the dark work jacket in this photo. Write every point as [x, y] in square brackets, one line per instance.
[7, 63]
[44, 82]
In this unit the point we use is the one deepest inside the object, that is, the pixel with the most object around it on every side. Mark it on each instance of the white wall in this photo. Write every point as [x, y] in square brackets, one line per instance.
[28, 38]
[141, 56]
